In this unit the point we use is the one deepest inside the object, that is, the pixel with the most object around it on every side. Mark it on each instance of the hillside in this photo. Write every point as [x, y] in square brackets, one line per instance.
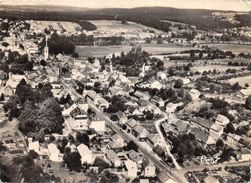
[202, 19]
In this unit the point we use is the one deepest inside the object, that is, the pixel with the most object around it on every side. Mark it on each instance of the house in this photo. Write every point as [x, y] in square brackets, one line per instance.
[54, 153]
[131, 168]
[117, 142]
[140, 132]
[223, 120]
[158, 101]
[122, 117]
[56, 85]
[202, 122]
[182, 126]
[98, 125]
[113, 158]
[202, 135]
[134, 156]
[34, 146]
[171, 107]
[102, 103]
[195, 94]
[83, 107]
[86, 154]
[142, 95]
[150, 171]
[154, 140]
[143, 180]
[131, 123]
[233, 139]
[244, 155]
[80, 122]
[8, 91]
[164, 178]
[211, 179]
[246, 142]
[67, 111]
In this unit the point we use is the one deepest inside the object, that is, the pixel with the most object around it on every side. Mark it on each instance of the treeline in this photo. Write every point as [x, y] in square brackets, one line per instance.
[60, 44]
[49, 16]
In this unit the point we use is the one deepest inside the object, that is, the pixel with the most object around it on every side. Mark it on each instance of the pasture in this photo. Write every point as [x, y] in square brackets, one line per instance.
[235, 48]
[154, 49]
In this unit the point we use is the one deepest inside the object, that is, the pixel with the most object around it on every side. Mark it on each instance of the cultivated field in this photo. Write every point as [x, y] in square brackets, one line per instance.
[220, 68]
[235, 48]
[116, 26]
[56, 25]
[241, 80]
[154, 49]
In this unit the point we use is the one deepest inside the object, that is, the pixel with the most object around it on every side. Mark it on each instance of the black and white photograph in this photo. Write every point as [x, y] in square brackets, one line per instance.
[125, 91]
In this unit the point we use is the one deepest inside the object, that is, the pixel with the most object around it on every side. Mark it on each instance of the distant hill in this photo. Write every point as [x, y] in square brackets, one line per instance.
[149, 16]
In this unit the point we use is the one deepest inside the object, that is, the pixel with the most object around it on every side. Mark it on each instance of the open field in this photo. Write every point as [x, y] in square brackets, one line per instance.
[56, 25]
[116, 26]
[235, 48]
[241, 80]
[220, 68]
[101, 51]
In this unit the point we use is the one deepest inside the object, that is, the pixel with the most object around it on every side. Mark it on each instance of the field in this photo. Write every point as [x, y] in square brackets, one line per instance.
[101, 51]
[116, 26]
[241, 80]
[220, 68]
[56, 25]
[235, 48]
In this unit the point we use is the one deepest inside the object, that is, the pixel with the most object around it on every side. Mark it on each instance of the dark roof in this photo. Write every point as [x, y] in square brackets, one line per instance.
[203, 122]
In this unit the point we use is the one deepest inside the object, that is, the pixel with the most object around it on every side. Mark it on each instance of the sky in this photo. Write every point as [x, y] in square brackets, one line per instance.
[236, 5]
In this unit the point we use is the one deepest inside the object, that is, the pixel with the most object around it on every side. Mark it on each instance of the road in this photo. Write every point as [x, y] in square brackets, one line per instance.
[176, 176]
[202, 167]
[167, 146]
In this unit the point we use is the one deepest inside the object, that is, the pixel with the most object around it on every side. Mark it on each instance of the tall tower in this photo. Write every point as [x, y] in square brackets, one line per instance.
[111, 68]
[46, 49]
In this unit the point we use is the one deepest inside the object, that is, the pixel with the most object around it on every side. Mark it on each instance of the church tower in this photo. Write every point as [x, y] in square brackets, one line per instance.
[46, 49]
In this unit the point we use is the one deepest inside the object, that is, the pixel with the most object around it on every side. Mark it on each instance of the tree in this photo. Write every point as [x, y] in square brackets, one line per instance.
[248, 102]
[2, 97]
[109, 177]
[73, 161]
[229, 128]
[43, 62]
[219, 144]
[178, 83]
[83, 138]
[192, 56]
[132, 146]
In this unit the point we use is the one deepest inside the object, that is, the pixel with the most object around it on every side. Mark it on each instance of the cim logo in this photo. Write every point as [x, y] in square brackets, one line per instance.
[207, 160]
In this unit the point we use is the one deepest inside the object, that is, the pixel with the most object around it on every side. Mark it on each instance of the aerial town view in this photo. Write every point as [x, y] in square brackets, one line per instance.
[137, 92]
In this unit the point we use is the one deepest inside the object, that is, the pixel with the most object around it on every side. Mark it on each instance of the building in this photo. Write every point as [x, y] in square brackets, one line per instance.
[54, 153]
[244, 155]
[113, 158]
[117, 142]
[131, 168]
[140, 132]
[99, 126]
[86, 154]
[164, 178]
[34, 146]
[150, 171]
[134, 156]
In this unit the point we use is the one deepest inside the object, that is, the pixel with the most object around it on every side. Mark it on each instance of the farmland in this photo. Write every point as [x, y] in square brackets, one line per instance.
[101, 51]
[235, 48]
[241, 80]
[219, 68]
[56, 25]
[116, 26]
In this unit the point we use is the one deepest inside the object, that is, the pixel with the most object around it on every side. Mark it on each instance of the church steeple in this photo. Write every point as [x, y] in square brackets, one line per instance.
[46, 49]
